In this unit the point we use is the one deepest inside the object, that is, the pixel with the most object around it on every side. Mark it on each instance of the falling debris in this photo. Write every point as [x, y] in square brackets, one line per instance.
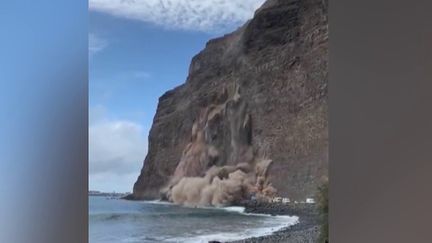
[202, 177]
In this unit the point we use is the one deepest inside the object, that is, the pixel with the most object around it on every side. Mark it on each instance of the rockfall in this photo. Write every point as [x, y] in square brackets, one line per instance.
[252, 113]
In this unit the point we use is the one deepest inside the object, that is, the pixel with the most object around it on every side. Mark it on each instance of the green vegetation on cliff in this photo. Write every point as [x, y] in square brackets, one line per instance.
[323, 209]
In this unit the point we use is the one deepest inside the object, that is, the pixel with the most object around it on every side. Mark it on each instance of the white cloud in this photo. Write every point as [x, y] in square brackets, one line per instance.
[96, 44]
[116, 151]
[201, 15]
[116, 146]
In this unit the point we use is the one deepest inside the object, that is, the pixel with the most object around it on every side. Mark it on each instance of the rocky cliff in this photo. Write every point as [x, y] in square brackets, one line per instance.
[255, 96]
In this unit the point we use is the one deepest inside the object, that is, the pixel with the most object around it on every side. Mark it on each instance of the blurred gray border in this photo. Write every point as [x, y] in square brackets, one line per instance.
[380, 121]
[380, 125]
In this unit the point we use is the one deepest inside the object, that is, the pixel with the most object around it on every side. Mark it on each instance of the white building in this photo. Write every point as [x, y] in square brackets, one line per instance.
[277, 199]
[286, 200]
[310, 200]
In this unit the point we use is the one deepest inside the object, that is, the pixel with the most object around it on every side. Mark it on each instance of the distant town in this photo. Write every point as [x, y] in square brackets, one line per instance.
[108, 194]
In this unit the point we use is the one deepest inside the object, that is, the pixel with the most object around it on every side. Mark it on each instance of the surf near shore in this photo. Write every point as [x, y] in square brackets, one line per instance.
[307, 230]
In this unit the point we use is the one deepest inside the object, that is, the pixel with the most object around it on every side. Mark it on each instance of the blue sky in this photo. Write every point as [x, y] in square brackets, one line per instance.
[137, 51]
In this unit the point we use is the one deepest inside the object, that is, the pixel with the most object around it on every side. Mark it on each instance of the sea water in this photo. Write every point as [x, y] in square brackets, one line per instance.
[115, 220]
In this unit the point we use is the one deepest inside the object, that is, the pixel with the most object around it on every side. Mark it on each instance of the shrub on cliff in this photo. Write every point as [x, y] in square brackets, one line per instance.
[323, 210]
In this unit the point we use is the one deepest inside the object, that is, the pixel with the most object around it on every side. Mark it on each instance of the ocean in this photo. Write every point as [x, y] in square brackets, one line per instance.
[115, 220]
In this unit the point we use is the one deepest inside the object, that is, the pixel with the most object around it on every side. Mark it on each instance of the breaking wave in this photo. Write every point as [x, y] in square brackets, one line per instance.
[156, 221]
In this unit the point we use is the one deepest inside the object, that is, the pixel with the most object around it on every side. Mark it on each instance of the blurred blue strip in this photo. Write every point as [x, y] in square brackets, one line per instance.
[43, 121]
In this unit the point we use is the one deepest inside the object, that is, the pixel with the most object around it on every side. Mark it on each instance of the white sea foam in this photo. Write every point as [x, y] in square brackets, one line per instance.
[176, 224]
[236, 209]
[158, 202]
[273, 224]
[282, 222]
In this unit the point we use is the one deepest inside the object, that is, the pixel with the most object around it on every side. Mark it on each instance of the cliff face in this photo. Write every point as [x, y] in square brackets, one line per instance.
[259, 93]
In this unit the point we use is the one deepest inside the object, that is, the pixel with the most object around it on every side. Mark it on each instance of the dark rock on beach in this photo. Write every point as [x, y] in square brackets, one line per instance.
[294, 234]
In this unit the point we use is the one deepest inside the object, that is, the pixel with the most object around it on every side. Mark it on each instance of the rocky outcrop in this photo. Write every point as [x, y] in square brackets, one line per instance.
[259, 93]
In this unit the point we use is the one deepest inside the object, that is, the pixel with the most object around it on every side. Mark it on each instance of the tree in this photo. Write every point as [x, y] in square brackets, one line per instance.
[323, 211]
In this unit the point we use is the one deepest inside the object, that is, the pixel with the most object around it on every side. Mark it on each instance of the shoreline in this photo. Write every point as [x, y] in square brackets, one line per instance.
[307, 230]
